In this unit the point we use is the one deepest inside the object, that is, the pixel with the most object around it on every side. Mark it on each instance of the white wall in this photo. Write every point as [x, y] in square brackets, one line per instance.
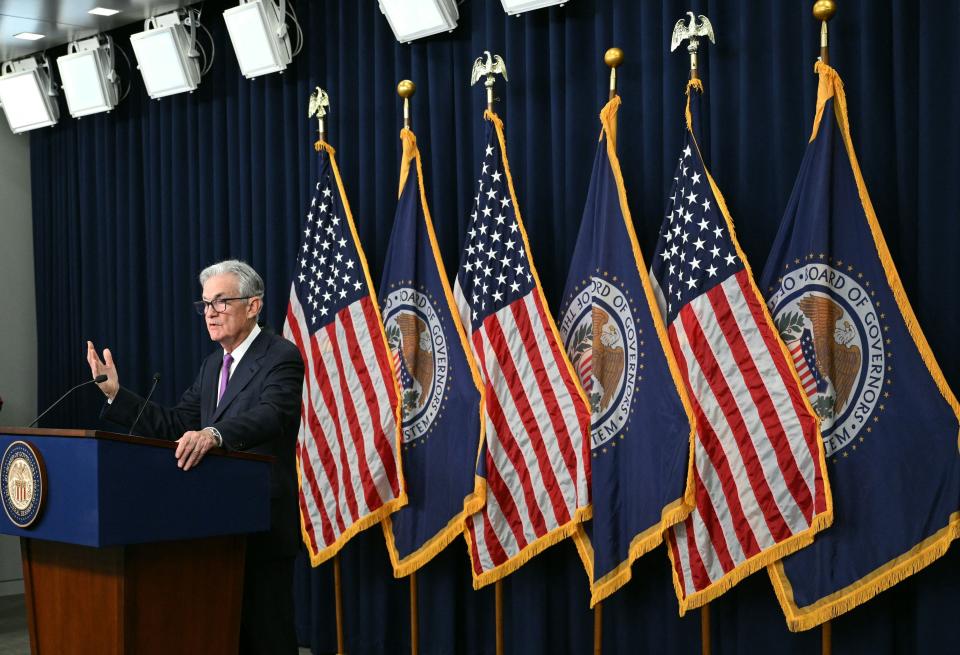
[18, 334]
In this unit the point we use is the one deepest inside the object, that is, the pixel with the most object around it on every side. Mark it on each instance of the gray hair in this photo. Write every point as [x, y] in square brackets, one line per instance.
[248, 280]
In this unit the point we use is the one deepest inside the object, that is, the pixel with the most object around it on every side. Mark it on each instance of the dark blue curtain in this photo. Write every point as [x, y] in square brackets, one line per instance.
[129, 206]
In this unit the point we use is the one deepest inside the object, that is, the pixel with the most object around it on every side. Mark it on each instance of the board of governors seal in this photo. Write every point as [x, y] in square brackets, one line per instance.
[601, 338]
[420, 358]
[24, 483]
[833, 333]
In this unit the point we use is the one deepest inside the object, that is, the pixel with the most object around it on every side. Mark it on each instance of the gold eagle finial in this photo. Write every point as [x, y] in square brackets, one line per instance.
[494, 65]
[319, 101]
[692, 32]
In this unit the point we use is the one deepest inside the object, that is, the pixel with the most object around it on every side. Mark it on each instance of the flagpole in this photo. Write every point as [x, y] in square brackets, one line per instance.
[498, 612]
[337, 588]
[318, 106]
[692, 45]
[692, 32]
[406, 89]
[823, 11]
[488, 69]
[598, 628]
[705, 643]
[414, 618]
[613, 57]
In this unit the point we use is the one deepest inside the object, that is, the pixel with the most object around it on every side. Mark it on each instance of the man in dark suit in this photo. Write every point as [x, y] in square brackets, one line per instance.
[246, 397]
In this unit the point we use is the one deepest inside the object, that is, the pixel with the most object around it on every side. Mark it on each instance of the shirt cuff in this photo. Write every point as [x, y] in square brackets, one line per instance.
[216, 435]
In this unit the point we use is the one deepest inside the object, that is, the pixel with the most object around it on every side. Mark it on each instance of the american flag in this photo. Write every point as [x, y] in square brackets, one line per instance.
[347, 447]
[759, 480]
[536, 461]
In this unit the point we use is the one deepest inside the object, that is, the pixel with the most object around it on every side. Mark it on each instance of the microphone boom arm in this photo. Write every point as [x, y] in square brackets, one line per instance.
[96, 380]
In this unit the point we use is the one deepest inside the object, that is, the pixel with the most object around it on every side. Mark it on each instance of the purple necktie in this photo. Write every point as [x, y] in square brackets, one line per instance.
[224, 375]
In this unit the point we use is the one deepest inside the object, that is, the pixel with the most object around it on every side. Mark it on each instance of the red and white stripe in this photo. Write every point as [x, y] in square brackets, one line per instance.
[758, 481]
[395, 353]
[585, 370]
[803, 371]
[537, 433]
[347, 443]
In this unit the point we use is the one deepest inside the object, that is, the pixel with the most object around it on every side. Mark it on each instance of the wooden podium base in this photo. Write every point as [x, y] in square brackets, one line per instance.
[143, 599]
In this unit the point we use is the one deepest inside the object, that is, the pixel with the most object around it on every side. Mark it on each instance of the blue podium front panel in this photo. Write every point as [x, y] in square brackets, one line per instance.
[103, 491]
[145, 497]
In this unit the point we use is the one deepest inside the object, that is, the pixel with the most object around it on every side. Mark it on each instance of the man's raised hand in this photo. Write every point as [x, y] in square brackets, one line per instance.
[103, 367]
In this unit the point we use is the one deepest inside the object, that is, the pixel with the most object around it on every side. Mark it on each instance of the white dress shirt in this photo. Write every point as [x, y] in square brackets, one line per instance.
[238, 354]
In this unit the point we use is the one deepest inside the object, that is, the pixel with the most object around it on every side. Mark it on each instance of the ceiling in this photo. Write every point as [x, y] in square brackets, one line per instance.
[62, 21]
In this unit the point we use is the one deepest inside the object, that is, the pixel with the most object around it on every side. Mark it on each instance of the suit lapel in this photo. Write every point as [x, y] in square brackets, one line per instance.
[244, 372]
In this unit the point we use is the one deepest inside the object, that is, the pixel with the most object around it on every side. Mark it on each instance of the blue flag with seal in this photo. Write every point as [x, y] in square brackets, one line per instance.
[889, 422]
[642, 424]
[441, 398]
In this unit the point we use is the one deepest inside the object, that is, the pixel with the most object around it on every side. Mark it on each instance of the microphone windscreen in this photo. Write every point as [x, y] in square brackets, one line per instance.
[100, 378]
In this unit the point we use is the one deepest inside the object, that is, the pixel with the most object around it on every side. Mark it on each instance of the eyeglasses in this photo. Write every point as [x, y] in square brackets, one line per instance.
[219, 305]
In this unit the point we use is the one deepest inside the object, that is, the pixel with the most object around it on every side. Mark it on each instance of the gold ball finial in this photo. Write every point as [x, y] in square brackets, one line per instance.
[823, 10]
[613, 57]
[406, 89]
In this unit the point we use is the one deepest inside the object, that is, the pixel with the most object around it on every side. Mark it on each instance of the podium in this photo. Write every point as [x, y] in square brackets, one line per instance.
[130, 554]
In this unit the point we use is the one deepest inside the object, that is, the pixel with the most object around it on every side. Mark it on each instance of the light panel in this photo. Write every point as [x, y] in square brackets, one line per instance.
[163, 59]
[25, 98]
[28, 36]
[259, 37]
[103, 11]
[82, 84]
[519, 6]
[415, 19]
[89, 81]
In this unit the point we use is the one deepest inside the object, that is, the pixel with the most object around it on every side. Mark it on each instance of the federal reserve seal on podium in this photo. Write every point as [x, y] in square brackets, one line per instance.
[24, 483]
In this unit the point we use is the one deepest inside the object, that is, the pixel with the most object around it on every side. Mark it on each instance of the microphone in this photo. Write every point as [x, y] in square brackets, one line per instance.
[153, 387]
[96, 380]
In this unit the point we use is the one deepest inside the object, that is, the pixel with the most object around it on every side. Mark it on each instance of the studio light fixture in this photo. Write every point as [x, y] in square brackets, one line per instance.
[514, 7]
[28, 94]
[169, 53]
[415, 19]
[258, 31]
[103, 11]
[89, 76]
[28, 36]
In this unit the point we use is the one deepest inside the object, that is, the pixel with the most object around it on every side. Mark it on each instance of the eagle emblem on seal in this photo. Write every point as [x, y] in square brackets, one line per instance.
[608, 358]
[824, 350]
[836, 357]
[412, 361]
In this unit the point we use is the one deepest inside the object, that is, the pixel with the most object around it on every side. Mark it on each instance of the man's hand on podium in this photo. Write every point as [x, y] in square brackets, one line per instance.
[104, 367]
[192, 446]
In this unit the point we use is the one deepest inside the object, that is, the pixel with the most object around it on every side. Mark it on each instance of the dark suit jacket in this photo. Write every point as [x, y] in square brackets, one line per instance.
[259, 413]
